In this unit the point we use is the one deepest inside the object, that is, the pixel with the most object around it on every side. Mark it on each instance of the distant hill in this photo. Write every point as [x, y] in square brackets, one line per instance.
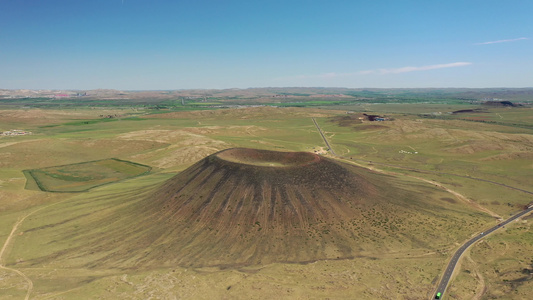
[504, 94]
[500, 104]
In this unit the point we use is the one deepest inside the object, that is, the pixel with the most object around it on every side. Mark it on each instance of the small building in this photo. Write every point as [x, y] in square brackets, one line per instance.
[14, 132]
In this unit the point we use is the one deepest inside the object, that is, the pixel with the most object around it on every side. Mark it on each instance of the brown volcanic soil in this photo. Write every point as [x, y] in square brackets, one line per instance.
[246, 206]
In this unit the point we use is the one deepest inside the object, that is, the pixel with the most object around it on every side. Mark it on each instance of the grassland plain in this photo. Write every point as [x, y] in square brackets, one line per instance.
[173, 141]
[491, 151]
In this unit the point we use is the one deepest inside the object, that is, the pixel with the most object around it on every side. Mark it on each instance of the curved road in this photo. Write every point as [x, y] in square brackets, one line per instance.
[457, 255]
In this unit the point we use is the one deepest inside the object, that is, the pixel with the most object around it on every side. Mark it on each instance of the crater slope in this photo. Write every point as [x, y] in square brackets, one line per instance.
[250, 206]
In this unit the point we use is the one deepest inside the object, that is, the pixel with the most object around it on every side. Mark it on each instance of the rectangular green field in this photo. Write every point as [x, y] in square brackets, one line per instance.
[81, 177]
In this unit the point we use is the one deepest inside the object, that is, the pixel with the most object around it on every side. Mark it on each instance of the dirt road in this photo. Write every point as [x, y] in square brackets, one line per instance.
[3, 251]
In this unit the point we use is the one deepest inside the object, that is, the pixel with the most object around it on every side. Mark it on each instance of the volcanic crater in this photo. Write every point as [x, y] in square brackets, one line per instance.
[248, 206]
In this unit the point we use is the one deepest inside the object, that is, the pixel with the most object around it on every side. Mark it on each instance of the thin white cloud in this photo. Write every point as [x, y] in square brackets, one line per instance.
[331, 75]
[502, 41]
[422, 68]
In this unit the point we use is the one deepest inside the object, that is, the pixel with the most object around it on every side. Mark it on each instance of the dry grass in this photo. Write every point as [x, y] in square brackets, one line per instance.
[365, 278]
[185, 146]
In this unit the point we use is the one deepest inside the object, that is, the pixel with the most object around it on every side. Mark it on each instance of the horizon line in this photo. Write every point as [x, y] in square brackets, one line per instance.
[265, 87]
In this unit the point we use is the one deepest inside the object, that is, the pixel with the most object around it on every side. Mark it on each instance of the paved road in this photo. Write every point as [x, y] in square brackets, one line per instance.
[455, 258]
[324, 137]
[457, 255]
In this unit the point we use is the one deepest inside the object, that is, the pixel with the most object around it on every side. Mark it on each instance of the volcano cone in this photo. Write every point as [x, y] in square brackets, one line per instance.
[247, 206]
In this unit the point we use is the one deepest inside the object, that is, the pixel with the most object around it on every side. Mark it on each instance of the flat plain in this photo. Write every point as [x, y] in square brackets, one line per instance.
[82, 245]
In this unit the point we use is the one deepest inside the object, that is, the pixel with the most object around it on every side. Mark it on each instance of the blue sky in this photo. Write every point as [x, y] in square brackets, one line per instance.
[162, 44]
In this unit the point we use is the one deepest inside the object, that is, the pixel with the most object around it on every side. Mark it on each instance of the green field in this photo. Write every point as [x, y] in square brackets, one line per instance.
[84, 176]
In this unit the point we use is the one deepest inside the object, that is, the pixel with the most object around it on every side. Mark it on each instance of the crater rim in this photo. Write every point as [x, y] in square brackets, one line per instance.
[267, 158]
